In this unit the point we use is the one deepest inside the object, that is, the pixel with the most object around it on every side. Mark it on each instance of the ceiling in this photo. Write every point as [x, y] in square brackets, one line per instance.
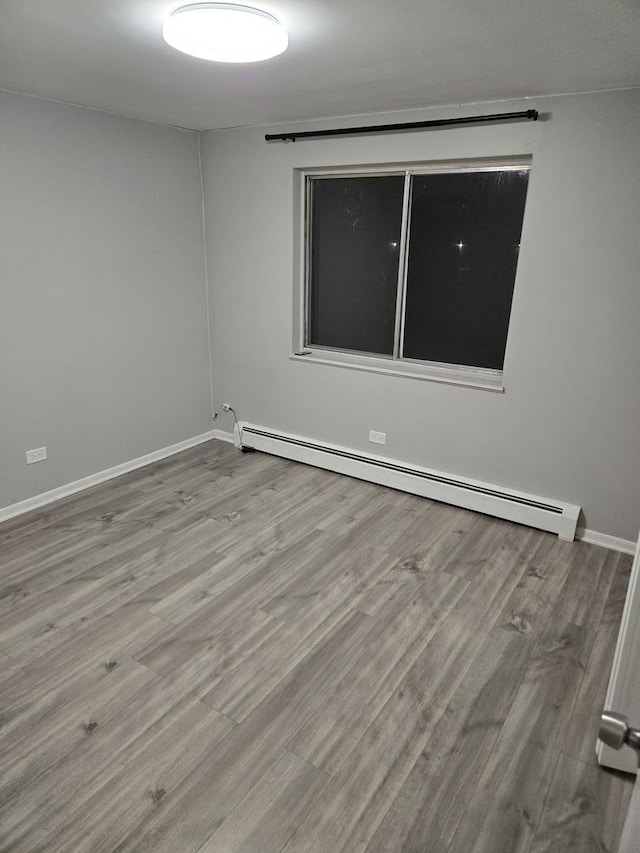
[344, 57]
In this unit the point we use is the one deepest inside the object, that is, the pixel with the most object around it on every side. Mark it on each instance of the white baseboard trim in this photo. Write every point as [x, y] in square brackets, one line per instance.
[44, 498]
[221, 435]
[498, 501]
[614, 543]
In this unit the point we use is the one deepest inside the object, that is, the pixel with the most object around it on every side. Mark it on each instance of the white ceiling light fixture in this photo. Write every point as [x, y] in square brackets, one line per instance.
[225, 32]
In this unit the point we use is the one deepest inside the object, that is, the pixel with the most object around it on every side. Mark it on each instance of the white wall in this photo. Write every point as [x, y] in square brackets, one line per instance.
[103, 339]
[568, 425]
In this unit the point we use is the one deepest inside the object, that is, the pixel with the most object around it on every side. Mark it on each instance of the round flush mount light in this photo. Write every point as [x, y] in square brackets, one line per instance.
[225, 32]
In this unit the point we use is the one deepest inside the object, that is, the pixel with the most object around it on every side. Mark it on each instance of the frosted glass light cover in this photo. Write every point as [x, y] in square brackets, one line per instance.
[224, 32]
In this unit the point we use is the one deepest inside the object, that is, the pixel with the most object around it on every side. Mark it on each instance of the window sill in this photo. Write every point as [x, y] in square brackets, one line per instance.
[430, 373]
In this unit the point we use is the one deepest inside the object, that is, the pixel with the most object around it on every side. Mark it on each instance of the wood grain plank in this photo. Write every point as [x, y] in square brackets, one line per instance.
[44, 800]
[355, 560]
[476, 548]
[228, 572]
[46, 734]
[97, 557]
[247, 683]
[428, 534]
[434, 660]
[57, 671]
[510, 795]
[342, 572]
[64, 613]
[536, 595]
[585, 809]
[347, 815]
[582, 730]
[213, 646]
[240, 581]
[281, 513]
[268, 816]
[330, 735]
[147, 783]
[42, 571]
[584, 594]
[208, 796]
[430, 805]
[359, 503]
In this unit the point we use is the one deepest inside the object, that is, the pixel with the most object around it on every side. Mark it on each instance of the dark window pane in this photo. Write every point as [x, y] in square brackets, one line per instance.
[463, 250]
[355, 238]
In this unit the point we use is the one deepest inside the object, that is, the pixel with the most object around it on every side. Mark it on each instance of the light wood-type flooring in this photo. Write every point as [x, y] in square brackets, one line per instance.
[226, 652]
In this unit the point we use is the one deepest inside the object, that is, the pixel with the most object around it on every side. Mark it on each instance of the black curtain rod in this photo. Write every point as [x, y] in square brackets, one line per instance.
[410, 125]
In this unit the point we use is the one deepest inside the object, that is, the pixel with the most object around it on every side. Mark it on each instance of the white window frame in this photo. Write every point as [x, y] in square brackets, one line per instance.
[453, 374]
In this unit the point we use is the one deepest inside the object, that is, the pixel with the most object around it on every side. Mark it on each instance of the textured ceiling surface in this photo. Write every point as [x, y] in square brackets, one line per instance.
[345, 57]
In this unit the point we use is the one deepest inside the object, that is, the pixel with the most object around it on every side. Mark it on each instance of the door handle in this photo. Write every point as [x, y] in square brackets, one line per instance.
[615, 731]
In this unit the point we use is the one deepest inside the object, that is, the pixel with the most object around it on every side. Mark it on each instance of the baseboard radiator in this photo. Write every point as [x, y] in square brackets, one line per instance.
[532, 510]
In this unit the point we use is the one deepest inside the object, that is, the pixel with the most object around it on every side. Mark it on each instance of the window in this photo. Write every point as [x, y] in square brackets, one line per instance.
[413, 268]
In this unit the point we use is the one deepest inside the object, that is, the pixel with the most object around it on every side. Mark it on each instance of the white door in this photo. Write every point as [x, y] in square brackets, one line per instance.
[623, 695]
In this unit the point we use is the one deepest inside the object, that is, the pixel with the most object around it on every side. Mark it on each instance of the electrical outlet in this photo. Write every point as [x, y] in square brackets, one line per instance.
[377, 437]
[37, 455]
[226, 407]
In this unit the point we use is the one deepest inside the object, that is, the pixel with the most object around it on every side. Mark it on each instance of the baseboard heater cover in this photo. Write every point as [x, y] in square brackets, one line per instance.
[532, 510]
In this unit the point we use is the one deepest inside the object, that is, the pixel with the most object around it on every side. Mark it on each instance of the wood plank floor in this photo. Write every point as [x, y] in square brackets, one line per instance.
[228, 653]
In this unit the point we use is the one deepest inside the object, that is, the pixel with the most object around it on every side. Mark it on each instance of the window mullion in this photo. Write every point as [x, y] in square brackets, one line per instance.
[402, 267]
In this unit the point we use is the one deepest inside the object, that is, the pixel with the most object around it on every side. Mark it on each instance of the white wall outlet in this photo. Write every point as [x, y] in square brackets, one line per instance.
[37, 455]
[377, 437]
